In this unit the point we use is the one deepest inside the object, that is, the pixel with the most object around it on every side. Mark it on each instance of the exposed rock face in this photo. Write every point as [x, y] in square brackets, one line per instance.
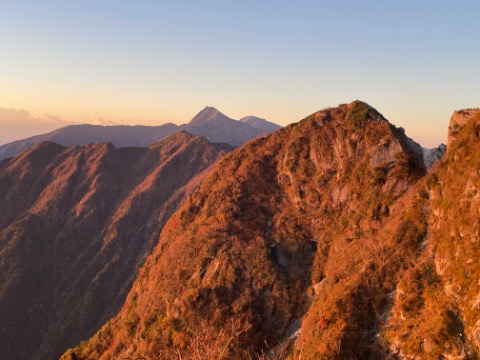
[434, 313]
[431, 156]
[318, 222]
[75, 224]
[458, 121]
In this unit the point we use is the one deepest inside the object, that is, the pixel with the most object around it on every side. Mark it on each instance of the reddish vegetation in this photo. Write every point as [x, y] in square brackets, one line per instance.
[305, 228]
[436, 304]
[326, 240]
[75, 225]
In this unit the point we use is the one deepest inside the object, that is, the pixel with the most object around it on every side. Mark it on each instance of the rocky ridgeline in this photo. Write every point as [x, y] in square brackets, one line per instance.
[292, 247]
[458, 120]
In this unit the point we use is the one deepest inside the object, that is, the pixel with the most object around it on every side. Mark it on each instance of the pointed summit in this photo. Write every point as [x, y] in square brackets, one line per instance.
[219, 128]
[208, 114]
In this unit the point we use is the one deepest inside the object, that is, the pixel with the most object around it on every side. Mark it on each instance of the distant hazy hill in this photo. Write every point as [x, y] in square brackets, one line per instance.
[431, 156]
[216, 127]
[73, 135]
[75, 223]
[260, 123]
[209, 123]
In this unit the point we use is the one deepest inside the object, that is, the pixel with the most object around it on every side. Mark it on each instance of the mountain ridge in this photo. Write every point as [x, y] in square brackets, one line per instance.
[209, 123]
[260, 123]
[75, 224]
[216, 127]
[209, 113]
[260, 245]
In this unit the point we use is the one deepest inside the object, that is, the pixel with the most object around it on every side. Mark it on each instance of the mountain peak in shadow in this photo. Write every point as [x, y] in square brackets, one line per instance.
[94, 211]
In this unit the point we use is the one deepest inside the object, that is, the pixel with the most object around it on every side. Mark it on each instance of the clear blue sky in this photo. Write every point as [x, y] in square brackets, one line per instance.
[145, 61]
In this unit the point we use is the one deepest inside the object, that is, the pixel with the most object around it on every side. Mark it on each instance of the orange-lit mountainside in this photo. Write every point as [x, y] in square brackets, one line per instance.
[209, 123]
[75, 225]
[328, 239]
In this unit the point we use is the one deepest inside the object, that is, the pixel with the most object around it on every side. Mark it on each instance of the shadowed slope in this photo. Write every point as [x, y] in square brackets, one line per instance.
[436, 306]
[75, 224]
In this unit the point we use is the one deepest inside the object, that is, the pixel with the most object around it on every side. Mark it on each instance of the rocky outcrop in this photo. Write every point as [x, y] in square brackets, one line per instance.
[432, 155]
[458, 121]
[434, 312]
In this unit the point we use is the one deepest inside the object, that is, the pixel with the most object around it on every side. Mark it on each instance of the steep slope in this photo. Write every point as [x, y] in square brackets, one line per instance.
[260, 123]
[436, 307]
[309, 228]
[432, 155]
[208, 114]
[216, 127]
[75, 223]
[454, 236]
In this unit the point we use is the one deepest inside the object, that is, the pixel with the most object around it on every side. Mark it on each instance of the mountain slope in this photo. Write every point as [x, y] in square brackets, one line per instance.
[432, 155]
[209, 123]
[260, 123]
[216, 127]
[285, 234]
[75, 135]
[208, 114]
[75, 224]
[435, 308]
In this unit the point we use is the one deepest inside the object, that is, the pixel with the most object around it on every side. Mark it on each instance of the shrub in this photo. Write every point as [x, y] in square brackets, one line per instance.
[357, 113]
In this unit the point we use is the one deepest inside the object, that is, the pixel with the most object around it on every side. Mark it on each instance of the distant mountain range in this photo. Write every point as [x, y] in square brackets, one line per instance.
[209, 123]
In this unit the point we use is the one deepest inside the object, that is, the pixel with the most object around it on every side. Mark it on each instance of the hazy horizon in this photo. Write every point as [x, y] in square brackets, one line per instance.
[155, 62]
[18, 124]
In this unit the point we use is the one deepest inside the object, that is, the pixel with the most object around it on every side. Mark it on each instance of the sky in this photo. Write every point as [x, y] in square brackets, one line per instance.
[154, 61]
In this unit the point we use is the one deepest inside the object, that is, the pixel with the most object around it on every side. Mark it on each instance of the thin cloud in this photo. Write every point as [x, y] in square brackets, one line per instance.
[16, 124]
[24, 116]
[97, 120]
